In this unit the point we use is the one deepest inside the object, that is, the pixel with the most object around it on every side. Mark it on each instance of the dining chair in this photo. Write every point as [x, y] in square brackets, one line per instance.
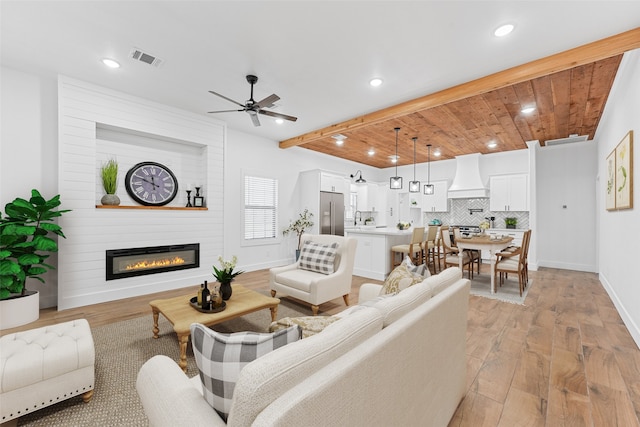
[451, 255]
[475, 254]
[429, 247]
[413, 249]
[514, 261]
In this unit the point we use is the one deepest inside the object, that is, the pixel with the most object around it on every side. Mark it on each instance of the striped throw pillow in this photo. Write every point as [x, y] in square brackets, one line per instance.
[318, 257]
[221, 357]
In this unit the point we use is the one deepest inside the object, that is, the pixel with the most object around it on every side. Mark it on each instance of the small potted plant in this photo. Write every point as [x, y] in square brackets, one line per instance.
[510, 222]
[109, 175]
[24, 246]
[299, 226]
[225, 275]
[403, 225]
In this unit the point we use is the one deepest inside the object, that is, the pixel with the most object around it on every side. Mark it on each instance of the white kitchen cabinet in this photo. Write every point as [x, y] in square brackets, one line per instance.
[333, 183]
[368, 197]
[439, 200]
[509, 193]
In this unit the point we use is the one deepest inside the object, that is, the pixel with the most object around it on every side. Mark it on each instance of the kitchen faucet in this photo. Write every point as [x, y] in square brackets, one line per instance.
[355, 217]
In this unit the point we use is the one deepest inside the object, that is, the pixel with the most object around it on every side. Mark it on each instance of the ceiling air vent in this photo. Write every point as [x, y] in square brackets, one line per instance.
[145, 57]
[571, 138]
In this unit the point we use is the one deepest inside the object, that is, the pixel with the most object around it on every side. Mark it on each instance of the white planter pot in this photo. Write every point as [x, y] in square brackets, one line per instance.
[19, 311]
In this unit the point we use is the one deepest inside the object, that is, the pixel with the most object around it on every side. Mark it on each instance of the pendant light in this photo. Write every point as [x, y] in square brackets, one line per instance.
[414, 186]
[395, 182]
[428, 187]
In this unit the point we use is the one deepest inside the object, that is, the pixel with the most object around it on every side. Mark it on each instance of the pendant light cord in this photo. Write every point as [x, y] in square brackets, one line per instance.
[414, 158]
[397, 130]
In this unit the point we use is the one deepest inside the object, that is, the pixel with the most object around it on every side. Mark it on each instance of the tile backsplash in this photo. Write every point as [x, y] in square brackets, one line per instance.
[460, 214]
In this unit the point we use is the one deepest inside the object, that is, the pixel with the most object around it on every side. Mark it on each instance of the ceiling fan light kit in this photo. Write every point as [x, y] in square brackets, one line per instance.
[254, 108]
[395, 182]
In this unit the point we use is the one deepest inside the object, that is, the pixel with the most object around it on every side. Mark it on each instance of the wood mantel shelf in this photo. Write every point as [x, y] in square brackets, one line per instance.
[159, 208]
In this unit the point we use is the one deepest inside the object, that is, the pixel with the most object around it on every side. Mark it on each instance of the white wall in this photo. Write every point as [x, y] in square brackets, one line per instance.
[260, 155]
[29, 150]
[190, 145]
[567, 206]
[618, 230]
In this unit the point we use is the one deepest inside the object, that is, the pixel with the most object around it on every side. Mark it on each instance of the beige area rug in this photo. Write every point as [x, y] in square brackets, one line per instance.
[508, 292]
[121, 349]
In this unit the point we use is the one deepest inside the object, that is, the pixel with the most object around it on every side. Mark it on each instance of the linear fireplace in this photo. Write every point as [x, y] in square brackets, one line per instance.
[131, 262]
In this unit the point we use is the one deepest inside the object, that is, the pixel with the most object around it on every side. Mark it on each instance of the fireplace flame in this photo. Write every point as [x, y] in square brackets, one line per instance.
[156, 263]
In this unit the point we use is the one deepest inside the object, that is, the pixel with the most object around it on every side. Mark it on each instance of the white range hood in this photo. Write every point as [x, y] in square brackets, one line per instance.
[467, 183]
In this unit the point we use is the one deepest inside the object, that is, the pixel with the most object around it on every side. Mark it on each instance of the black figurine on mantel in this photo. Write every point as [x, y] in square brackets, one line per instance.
[189, 205]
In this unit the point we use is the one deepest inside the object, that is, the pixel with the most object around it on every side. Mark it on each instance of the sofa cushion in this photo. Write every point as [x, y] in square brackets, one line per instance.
[318, 257]
[221, 357]
[267, 378]
[400, 278]
[299, 279]
[421, 270]
[396, 307]
[310, 325]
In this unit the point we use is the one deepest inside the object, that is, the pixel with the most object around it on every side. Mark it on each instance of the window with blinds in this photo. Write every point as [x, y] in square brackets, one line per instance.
[260, 207]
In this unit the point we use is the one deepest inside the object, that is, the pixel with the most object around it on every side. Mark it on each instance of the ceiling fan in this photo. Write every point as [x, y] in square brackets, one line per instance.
[254, 108]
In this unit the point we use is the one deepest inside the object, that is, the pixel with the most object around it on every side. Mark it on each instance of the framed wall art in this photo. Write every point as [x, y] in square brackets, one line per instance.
[624, 172]
[610, 195]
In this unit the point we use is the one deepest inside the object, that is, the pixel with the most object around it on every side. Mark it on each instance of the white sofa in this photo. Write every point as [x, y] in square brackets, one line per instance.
[317, 288]
[392, 361]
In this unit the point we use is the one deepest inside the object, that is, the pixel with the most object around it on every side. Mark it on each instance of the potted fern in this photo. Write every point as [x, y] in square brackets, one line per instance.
[24, 246]
[109, 175]
[299, 226]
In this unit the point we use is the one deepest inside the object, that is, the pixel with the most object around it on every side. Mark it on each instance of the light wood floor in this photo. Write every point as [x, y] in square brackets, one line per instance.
[563, 359]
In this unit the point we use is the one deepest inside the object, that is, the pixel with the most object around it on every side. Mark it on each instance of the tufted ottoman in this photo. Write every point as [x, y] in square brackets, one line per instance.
[44, 366]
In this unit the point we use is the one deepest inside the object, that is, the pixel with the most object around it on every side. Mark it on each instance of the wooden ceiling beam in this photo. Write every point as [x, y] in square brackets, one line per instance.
[585, 54]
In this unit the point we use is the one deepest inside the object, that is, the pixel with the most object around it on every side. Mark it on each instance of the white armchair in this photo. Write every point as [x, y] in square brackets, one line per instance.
[317, 288]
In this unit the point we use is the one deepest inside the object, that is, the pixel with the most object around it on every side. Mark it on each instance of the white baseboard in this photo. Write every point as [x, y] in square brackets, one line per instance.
[568, 266]
[633, 328]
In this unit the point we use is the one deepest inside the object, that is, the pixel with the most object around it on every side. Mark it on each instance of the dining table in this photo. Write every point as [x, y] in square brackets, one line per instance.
[492, 243]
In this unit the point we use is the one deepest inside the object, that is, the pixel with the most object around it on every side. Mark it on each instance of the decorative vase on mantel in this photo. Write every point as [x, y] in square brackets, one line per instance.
[110, 200]
[225, 290]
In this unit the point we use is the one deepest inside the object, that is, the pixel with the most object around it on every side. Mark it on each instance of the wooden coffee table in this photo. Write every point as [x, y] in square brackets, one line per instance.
[179, 312]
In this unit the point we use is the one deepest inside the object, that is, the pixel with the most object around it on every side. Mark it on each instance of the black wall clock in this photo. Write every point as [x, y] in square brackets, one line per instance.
[151, 184]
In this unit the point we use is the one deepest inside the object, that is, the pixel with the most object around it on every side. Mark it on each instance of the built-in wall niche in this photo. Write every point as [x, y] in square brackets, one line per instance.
[187, 160]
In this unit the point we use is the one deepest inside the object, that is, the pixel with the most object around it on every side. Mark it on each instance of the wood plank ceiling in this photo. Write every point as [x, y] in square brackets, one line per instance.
[568, 101]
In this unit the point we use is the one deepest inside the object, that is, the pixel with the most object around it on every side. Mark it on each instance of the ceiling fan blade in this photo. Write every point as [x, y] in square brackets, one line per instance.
[254, 118]
[268, 101]
[278, 115]
[228, 99]
[224, 111]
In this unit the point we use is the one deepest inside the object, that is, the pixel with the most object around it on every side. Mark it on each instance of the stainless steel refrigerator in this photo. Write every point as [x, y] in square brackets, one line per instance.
[331, 213]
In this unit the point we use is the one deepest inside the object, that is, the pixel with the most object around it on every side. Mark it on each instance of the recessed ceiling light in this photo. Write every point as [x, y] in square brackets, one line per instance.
[339, 138]
[492, 144]
[375, 82]
[437, 153]
[279, 121]
[110, 63]
[503, 30]
[371, 152]
[394, 159]
[528, 110]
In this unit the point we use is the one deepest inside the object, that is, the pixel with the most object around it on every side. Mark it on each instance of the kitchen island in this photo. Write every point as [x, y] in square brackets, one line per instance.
[373, 253]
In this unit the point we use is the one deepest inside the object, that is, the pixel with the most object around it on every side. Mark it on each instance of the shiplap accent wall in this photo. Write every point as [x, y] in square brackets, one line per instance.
[96, 124]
